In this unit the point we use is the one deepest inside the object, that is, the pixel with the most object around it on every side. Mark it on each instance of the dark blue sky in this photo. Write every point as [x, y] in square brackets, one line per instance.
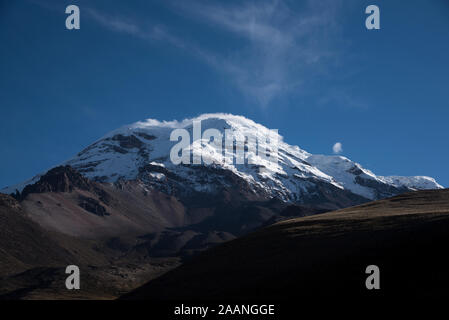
[311, 70]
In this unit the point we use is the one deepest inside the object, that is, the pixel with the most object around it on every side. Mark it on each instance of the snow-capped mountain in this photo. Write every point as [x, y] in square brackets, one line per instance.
[141, 151]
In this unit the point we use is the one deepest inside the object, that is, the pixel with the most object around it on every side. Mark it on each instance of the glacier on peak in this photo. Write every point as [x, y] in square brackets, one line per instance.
[142, 151]
[414, 182]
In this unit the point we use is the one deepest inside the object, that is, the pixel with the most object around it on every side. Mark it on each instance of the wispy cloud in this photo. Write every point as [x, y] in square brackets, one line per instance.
[282, 48]
[156, 32]
[341, 96]
[114, 23]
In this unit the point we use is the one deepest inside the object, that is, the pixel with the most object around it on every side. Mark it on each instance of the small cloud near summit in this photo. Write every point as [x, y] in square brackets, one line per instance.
[337, 148]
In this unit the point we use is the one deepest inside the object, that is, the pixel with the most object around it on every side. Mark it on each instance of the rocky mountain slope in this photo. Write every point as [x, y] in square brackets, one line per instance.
[33, 260]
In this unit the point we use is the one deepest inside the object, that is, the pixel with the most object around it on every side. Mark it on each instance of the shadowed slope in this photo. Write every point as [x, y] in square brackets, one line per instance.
[406, 236]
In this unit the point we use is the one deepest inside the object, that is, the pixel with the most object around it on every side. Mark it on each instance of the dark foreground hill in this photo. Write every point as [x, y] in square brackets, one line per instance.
[406, 236]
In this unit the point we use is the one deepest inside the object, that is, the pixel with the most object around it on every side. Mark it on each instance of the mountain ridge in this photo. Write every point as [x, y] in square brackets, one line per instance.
[142, 151]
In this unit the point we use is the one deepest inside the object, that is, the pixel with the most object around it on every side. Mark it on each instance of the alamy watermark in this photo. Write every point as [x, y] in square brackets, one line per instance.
[72, 21]
[232, 147]
[73, 280]
[373, 280]
[372, 22]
